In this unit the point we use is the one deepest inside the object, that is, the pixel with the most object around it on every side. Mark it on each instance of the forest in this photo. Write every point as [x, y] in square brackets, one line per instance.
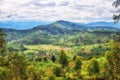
[60, 53]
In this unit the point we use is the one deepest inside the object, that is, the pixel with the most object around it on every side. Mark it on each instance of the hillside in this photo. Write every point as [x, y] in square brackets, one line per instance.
[61, 33]
[63, 49]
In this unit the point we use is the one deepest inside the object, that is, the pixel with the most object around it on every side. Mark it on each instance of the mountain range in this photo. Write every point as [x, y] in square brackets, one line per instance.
[21, 24]
[30, 24]
[62, 32]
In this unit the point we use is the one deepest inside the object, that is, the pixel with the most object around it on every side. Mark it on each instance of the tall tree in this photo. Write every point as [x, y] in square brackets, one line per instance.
[113, 57]
[77, 67]
[63, 59]
[2, 42]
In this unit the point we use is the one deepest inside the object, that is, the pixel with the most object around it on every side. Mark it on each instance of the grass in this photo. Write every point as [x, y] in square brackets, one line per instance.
[45, 47]
[88, 48]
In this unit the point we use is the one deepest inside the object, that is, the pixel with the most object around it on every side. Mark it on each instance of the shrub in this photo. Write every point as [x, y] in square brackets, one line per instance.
[52, 77]
[57, 71]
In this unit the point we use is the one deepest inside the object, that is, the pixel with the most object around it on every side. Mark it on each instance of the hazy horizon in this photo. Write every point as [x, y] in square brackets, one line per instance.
[27, 14]
[31, 24]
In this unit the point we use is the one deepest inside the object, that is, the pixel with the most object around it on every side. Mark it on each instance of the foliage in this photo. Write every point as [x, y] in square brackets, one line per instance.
[5, 74]
[78, 64]
[57, 70]
[113, 57]
[33, 72]
[51, 77]
[53, 58]
[45, 59]
[93, 67]
[2, 43]
[116, 4]
[61, 35]
[36, 63]
[21, 47]
[63, 59]
[17, 65]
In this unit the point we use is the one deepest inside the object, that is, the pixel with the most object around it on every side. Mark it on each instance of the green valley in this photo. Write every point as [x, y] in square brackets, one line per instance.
[60, 51]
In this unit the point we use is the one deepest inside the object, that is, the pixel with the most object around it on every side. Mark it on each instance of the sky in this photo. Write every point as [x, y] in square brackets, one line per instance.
[52, 10]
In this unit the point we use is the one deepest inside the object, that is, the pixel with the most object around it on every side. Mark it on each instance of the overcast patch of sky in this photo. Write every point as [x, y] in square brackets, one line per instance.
[52, 10]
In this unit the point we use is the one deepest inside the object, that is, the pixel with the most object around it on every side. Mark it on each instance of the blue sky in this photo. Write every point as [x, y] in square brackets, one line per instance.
[52, 10]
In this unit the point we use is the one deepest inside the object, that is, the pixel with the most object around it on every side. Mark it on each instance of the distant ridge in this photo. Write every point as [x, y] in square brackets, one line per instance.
[57, 32]
[102, 23]
[31, 24]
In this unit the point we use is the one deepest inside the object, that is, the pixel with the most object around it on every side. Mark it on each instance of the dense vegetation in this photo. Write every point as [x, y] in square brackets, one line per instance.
[61, 33]
[59, 54]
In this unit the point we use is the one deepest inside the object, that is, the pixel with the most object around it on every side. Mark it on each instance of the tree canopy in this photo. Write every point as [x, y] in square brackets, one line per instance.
[116, 4]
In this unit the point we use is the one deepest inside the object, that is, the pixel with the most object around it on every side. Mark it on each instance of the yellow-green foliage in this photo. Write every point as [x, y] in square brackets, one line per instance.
[43, 47]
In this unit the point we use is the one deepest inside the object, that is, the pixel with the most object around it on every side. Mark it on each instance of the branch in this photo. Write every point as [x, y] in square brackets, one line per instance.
[116, 3]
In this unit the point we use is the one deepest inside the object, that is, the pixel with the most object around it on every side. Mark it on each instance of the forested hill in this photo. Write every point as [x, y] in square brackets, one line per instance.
[60, 32]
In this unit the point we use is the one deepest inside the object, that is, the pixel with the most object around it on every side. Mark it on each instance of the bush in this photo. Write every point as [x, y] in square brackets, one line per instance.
[45, 59]
[39, 59]
[57, 71]
[93, 68]
[52, 77]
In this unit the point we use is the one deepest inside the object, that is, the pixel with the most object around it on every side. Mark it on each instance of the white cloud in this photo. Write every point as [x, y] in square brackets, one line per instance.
[51, 10]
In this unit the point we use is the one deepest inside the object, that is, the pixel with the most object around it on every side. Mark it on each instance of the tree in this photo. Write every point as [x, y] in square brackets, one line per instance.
[22, 48]
[37, 59]
[74, 57]
[34, 72]
[57, 71]
[78, 64]
[53, 58]
[77, 67]
[116, 4]
[93, 68]
[113, 57]
[5, 74]
[52, 77]
[63, 59]
[45, 59]
[2, 43]
[17, 65]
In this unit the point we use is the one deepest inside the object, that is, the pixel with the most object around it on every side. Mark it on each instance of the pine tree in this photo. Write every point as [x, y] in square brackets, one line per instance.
[53, 58]
[63, 59]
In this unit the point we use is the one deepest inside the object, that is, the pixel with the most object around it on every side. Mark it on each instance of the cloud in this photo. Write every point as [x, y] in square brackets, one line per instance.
[64, 4]
[51, 10]
[50, 4]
